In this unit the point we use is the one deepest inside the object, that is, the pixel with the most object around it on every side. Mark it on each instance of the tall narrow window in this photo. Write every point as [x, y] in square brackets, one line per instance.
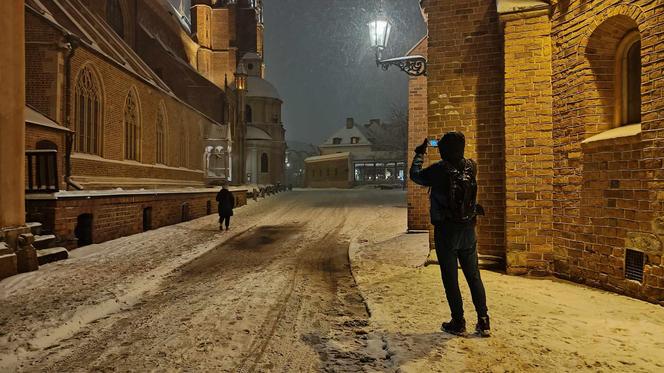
[629, 81]
[184, 147]
[114, 16]
[161, 136]
[87, 113]
[132, 128]
[264, 163]
[248, 115]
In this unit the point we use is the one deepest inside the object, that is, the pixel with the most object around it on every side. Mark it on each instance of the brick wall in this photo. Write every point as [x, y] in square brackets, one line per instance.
[606, 196]
[184, 125]
[579, 192]
[418, 197]
[465, 89]
[118, 216]
[528, 142]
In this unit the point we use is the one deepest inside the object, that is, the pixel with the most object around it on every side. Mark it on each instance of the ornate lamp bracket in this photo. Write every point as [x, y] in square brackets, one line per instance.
[411, 65]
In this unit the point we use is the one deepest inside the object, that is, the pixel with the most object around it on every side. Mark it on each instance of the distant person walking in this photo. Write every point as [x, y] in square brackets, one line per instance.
[453, 211]
[226, 204]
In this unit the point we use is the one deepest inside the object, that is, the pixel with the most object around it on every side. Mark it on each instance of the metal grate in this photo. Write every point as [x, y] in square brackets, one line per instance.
[634, 261]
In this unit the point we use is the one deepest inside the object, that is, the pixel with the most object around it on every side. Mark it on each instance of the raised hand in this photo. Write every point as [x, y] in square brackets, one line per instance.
[422, 149]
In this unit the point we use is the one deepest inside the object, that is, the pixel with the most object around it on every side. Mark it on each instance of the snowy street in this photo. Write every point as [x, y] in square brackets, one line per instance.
[276, 293]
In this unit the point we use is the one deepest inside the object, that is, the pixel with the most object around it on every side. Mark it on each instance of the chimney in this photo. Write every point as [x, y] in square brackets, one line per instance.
[350, 123]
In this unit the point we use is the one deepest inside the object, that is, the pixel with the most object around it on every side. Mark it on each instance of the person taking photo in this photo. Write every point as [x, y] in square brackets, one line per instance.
[453, 212]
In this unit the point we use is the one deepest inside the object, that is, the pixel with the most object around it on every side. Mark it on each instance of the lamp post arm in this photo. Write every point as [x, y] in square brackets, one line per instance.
[411, 65]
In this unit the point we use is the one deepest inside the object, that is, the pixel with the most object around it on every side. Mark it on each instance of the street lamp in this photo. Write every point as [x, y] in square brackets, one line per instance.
[379, 34]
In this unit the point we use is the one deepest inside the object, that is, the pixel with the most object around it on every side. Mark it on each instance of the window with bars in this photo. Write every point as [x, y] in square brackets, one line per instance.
[87, 112]
[132, 128]
[161, 136]
[634, 262]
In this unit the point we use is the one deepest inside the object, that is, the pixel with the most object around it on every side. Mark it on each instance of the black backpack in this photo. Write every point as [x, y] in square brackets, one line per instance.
[462, 194]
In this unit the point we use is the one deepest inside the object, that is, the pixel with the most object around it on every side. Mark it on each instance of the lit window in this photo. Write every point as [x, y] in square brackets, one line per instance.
[87, 111]
[629, 79]
[132, 128]
[354, 140]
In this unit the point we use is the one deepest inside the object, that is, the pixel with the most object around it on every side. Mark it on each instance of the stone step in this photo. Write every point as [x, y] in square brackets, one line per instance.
[52, 254]
[44, 241]
[491, 262]
[4, 249]
[35, 227]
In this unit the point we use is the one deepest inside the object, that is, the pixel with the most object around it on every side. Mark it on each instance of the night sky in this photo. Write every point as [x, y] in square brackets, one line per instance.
[317, 54]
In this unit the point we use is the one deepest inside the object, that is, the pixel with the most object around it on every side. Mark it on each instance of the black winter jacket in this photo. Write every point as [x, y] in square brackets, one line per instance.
[437, 178]
[226, 202]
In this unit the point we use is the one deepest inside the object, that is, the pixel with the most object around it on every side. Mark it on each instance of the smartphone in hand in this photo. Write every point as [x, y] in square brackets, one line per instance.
[433, 143]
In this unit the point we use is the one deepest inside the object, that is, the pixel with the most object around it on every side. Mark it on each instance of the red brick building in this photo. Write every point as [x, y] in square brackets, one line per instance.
[561, 107]
[132, 111]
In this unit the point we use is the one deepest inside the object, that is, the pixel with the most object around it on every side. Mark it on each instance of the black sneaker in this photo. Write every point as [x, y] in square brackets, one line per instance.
[483, 327]
[456, 327]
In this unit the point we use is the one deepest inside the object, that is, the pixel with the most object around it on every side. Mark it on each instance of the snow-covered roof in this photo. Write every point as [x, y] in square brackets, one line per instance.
[345, 134]
[251, 56]
[259, 87]
[76, 18]
[35, 117]
[255, 133]
[327, 157]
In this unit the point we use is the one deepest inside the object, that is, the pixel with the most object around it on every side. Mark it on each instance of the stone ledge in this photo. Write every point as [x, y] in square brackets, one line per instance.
[615, 133]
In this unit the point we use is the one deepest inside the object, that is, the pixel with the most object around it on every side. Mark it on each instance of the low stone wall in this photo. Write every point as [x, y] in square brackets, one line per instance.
[79, 220]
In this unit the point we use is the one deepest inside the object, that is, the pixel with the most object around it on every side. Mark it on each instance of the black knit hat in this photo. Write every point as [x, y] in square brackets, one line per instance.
[451, 146]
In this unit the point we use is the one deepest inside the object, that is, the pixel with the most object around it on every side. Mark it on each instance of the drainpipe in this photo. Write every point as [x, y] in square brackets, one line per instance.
[70, 45]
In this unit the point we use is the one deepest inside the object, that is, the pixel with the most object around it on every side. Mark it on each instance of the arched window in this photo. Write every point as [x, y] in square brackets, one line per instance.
[248, 115]
[87, 112]
[161, 136]
[628, 85]
[114, 16]
[264, 163]
[132, 128]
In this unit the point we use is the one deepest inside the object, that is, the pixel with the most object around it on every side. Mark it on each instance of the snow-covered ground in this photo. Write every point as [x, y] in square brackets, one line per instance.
[276, 294]
[539, 325]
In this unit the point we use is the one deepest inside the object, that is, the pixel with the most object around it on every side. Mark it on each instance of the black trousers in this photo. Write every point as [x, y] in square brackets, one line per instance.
[224, 220]
[458, 243]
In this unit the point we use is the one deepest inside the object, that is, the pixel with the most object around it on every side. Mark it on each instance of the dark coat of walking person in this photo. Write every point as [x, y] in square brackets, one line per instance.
[454, 210]
[226, 203]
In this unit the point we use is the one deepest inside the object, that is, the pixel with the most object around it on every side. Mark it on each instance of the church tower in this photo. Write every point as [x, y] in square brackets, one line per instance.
[225, 30]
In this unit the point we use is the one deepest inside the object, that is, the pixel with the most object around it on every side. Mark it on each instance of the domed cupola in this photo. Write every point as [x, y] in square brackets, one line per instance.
[253, 63]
